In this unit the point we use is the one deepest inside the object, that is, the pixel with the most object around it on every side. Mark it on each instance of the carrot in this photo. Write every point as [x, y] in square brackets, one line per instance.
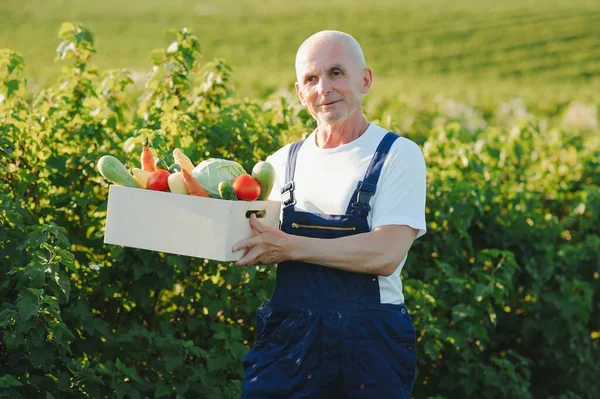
[147, 160]
[192, 185]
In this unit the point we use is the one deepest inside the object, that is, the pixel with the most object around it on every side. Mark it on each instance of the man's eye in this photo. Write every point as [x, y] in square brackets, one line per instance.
[310, 79]
[336, 72]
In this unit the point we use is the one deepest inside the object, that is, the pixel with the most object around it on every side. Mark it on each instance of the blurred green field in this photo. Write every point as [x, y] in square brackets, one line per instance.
[531, 48]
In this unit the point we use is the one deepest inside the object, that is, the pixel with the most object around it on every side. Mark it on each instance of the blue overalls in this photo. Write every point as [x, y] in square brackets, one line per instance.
[324, 333]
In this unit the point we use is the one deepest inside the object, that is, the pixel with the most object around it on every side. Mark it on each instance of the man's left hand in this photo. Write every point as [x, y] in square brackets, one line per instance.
[266, 246]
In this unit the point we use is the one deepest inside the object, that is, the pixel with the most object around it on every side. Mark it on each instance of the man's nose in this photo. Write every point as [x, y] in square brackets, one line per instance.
[324, 86]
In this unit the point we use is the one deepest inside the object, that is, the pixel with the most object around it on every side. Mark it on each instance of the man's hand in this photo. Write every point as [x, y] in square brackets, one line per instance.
[266, 246]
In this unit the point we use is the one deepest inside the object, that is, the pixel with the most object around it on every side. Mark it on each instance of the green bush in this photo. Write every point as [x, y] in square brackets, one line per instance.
[503, 288]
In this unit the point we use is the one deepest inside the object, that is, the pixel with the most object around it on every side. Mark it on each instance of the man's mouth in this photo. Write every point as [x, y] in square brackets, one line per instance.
[330, 103]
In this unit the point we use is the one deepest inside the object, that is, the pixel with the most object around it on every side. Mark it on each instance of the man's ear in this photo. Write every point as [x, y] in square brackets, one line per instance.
[299, 92]
[367, 80]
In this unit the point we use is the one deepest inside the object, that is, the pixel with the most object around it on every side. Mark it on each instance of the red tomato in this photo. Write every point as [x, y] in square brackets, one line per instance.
[246, 187]
[158, 180]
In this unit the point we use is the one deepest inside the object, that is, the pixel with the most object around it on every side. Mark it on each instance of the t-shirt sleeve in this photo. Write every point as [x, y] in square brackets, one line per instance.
[401, 190]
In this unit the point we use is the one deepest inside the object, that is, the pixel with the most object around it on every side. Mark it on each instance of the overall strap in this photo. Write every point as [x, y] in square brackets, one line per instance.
[359, 203]
[287, 191]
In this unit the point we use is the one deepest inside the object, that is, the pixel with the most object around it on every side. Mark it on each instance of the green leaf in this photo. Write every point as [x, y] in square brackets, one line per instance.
[66, 258]
[40, 357]
[460, 312]
[127, 371]
[173, 361]
[66, 30]
[62, 333]
[27, 305]
[96, 324]
[236, 348]
[121, 388]
[36, 273]
[53, 307]
[57, 164]
[8, 380]
[12, 85]
[84, 36]
[16, 61]
[36, 338]
[140, 270]
[5, 317]
[62, 280]
[221, 336]
[162, 390]
[64, 382]
[218, 363]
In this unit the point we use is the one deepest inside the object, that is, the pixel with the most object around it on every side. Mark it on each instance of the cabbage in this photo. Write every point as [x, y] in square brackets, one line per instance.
[211, 172]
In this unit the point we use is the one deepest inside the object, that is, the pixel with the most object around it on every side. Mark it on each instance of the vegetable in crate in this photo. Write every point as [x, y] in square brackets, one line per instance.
[176, 183]
[182, 159]
[160, 163]
[226, 190]
[211, 172]
[174, 168]
[159, 180]
[264, 172]
[192, 185]
[114, 171]
[147, 160]
[141, 176]
[246, 187]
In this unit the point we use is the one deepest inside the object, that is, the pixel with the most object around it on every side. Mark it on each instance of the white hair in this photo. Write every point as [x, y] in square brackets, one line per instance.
[333, 36]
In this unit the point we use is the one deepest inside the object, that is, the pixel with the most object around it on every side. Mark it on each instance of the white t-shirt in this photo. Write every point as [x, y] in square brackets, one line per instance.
[325, 179]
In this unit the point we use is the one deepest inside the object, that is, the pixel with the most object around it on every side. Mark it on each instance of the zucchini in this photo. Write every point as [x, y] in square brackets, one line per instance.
[114, 171]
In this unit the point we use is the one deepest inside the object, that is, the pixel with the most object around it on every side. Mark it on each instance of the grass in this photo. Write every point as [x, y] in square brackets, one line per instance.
[510, 46]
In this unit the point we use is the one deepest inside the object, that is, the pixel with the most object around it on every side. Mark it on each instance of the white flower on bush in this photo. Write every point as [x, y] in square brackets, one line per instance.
[274, 100]
[581, 116]
[139, 77]
[173, 47]
[471, 118]
[511, 112]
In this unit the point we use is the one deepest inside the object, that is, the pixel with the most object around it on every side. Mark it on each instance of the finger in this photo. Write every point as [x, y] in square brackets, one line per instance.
[247, 243]
[257, 225]
[254, 232]
[250, 258]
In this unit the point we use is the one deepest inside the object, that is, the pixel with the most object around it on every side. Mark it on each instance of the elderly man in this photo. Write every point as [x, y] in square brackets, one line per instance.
[353, 198]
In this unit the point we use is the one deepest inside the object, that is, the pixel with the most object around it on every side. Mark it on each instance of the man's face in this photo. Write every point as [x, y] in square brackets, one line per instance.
[331, 81]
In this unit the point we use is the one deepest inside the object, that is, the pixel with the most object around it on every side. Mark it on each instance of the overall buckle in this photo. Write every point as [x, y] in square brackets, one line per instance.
[287, 193]
[364, 192]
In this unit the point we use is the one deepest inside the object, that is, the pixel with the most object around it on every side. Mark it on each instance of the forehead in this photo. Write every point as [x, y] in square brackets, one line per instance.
[322, 56]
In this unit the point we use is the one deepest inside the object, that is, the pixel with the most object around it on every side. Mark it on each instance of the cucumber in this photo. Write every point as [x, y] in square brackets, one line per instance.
[264, 172]
[114, 171]
[226, 191]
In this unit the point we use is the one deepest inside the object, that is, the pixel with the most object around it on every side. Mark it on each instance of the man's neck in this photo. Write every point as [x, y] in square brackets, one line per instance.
[335, 135]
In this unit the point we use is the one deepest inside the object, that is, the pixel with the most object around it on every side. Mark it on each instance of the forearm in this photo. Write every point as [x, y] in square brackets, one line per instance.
[377, 252]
